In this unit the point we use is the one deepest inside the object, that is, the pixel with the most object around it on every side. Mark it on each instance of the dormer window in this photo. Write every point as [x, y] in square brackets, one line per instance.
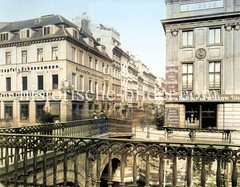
[48, 30]
[4, 37]
[75, 33]
[25, 33]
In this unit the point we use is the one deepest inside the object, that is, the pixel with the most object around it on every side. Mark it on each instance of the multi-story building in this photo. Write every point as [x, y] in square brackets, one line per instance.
[130, 77]
[109, 38]
[44, 62]
[203, 63]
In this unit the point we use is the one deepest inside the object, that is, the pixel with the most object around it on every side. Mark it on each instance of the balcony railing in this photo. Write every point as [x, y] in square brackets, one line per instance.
[80, 128]
[24, 158]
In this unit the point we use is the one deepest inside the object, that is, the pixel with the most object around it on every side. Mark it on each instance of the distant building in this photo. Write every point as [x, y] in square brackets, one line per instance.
[203, 63]
[51, 57]
[130, 77]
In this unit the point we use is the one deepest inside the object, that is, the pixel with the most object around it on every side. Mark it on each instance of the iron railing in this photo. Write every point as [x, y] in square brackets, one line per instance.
[82, 128]
[33, 157]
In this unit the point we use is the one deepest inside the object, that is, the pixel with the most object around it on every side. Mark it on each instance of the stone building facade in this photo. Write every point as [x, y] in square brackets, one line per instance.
[44, 62]
[203, 63]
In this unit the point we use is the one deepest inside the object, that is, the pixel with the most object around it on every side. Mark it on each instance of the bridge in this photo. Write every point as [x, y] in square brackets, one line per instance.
[101, 153]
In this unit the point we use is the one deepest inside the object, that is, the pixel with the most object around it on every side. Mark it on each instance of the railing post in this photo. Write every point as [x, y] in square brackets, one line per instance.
[234, 173]
[174, 171]
[218, 174]
[75, 169]
[25, 167]
[134, 169]
[55, 166]
[6, 163]
[122, 169]
[99, 169]
[16, 165]
[203, 173]
[147, 174]
[161, 170]
[65, 167]
[44, 164]
[35, 165]
[189, 171]
[87, 169]
[110, 170]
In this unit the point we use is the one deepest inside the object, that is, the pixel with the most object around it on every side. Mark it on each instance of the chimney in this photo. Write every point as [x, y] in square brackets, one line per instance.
[85, 24]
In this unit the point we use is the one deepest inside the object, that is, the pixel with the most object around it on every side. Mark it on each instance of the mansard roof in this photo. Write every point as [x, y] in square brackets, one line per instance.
[37, 22]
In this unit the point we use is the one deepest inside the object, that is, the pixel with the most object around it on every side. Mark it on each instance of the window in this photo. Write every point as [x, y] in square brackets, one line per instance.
[215, 36]
[39, 54]
[54, 82]
[39, 110]
[80, 57]
[8, 84]
[90, 62]
[55, 110]
[214, 75]
[46, 30]
[187, 38]
[90, 106]
[4, 37]
[81, 83]
[96, 64]
[24, 83]
[8, 111]
[55, 53]
[25, 33]
[102, 67]
[107, 69]
[24, 111]
[96, 87]
[73, 54]
[90, 85]
[74, 81]
[40, 82]
[8, 58]
[187, 76]
[24, 56]
[75, 33]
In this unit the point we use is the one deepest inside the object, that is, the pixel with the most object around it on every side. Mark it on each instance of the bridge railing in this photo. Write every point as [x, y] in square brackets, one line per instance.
[36, 155]
[80, 128]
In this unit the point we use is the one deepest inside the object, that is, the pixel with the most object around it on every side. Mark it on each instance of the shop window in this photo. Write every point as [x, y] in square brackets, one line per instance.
[55, 110]
[39, 110]
[8, 111]
[24, 111]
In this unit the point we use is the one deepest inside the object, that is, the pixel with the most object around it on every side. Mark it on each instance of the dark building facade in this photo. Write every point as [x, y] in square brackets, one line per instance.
[203, 63]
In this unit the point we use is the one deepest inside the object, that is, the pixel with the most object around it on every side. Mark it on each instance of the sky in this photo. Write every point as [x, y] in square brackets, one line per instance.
[137, 21]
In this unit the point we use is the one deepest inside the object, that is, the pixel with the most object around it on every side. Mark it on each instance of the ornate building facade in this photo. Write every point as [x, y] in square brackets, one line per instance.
[203, 63]
[44, 62]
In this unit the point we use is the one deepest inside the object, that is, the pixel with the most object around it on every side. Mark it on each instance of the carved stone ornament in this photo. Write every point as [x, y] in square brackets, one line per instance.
[201, 53]
[174, 32]
[237, 27]
[228, 27]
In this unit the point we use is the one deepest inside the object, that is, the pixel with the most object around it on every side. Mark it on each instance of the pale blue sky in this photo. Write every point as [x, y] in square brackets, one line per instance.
[138, 22]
